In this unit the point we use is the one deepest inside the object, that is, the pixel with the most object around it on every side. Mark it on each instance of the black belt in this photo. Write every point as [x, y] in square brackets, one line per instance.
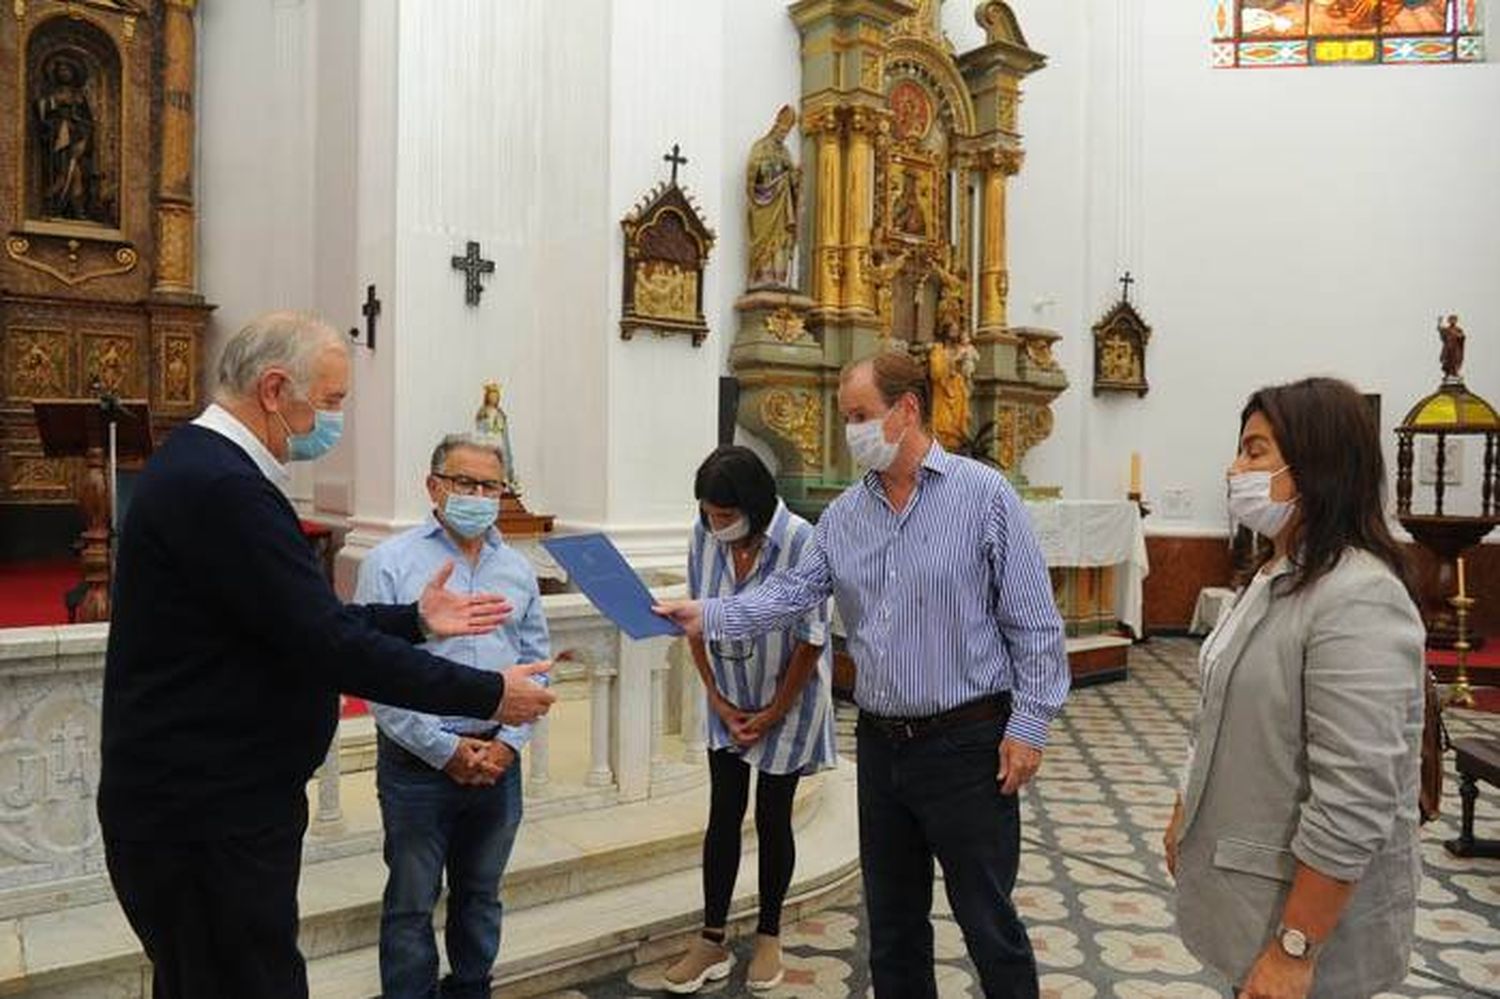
[990, 708]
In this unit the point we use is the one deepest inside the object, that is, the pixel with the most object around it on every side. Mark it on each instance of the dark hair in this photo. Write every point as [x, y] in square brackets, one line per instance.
[734, 476]
[1327, 434]
[896, 373]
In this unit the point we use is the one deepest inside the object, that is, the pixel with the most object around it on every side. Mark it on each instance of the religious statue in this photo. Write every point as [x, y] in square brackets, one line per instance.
[66, 123]
[951, 308]
[951, 364]
[1452, 336]
[907, 212]
[491, 424]
[773, 187]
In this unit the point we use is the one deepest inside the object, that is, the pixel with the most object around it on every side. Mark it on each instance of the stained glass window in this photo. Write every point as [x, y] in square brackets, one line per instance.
[1255, 33]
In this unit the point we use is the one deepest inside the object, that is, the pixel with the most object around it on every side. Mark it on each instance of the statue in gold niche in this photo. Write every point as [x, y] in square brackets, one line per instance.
[773, 186]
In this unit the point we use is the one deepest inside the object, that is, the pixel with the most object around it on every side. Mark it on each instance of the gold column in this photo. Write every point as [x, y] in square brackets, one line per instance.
[175, 250]
[828, 273]
[994, 278]
[859, 171]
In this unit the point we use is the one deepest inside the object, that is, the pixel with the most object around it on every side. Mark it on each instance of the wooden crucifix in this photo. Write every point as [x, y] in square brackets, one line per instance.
[473, 265]
[675, 158]
[370, 310]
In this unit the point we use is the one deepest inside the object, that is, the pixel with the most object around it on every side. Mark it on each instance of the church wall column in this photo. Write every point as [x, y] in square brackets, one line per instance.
[829, 198]
[174, 212]
[859, 167]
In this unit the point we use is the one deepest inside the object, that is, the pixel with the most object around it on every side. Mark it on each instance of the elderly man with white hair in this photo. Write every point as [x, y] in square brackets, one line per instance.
[227, 653]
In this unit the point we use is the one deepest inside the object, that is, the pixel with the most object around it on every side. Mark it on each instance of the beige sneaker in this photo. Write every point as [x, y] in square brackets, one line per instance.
[704, 962]
[765, 964]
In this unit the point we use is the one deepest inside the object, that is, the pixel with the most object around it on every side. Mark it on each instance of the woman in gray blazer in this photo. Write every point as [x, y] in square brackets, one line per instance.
[1294, 840]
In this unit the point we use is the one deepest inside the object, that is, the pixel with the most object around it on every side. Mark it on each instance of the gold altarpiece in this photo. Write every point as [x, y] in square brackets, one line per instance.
[907, 147]
[98, 283]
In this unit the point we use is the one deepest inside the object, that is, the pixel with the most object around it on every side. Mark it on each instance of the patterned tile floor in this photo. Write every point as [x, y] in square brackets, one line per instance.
[1093, 885]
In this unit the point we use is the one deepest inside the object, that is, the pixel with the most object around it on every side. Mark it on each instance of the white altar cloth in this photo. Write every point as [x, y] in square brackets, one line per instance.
[1082, 533]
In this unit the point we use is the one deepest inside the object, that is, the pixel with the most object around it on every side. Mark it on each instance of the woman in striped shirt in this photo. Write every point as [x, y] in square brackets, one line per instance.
[771, 709]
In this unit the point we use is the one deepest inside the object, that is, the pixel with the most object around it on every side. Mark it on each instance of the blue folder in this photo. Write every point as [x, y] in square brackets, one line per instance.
[601, 572]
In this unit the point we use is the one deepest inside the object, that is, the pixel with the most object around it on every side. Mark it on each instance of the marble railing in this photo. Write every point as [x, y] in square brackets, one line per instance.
[627, 726]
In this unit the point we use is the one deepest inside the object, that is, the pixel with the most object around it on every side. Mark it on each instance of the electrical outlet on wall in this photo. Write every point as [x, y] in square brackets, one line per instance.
[1177, 504]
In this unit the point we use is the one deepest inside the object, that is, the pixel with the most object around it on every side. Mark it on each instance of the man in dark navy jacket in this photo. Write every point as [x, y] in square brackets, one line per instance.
[227, 653]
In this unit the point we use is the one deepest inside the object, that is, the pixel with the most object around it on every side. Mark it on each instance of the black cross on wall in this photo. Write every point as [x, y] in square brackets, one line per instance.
[675, 158]
[473, 265]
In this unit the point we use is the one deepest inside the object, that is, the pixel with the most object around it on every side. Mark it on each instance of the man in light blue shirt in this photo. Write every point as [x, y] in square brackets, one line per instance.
[450, 788]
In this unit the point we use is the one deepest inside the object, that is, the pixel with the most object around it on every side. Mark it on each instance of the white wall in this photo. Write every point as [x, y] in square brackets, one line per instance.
[1303, 222]
[502, 135]
[1281, 223]
[255, 144]
[666, 87]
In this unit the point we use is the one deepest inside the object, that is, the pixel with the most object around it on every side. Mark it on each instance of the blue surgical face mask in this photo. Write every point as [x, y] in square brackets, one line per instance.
[470, 516]
[328, 427]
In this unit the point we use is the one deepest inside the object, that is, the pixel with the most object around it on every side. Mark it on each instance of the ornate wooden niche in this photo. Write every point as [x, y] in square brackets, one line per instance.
[1120, 340]
[97, 278]
[666, 252]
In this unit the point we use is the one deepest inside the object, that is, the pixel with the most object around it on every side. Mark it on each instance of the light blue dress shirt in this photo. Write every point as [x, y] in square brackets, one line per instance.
[946, 601]
[398, 569]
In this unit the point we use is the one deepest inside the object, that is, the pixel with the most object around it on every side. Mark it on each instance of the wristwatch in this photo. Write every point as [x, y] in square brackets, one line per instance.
[1295, 944]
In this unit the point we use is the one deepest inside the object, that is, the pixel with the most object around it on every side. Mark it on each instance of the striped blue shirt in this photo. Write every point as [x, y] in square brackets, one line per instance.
[945, 602]
[747, 673]
[398, 569]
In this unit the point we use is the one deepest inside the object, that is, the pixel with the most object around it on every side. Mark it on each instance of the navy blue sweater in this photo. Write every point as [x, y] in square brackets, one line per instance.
[228, 649]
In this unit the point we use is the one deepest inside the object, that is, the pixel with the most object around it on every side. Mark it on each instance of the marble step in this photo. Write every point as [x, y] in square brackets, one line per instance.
[556, 945]
[89, 950]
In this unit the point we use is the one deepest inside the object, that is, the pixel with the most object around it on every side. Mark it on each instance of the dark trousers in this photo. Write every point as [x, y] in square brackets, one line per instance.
[729, 778]
[435, 826]
[217, 919]
[937, 797]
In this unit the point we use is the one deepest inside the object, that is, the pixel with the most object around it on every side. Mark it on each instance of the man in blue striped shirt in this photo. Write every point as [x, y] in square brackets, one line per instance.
[962, 668]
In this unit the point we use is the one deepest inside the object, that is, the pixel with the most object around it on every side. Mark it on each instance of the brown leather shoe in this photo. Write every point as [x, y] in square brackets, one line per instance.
[765, 964]
[704, 962]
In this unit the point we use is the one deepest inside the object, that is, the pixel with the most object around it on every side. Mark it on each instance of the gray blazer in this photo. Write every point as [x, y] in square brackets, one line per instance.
[1308, 748]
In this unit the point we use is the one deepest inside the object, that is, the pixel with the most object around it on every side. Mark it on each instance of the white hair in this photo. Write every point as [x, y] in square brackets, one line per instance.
[289, 340]
[454, 442]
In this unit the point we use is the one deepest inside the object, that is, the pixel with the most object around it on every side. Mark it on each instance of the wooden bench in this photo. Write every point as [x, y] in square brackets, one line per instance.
[1478, 760]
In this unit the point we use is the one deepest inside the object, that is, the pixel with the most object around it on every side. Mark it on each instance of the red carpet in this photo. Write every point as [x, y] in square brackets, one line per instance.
[31, 593]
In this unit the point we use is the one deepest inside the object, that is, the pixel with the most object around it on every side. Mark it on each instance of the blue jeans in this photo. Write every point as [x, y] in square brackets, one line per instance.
[936, 798]
[433, 824]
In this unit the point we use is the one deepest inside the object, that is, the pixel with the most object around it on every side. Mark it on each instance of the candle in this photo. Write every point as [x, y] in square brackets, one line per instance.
[1462, 592]
[1135, 473]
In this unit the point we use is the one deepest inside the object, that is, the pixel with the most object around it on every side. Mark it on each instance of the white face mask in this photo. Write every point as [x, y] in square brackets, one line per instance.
[868, 446]
[737, 531]
[1250, 503]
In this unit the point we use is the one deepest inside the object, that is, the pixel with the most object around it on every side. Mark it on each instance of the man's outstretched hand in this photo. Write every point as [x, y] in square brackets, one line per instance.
[686, 614]
[524, 700]
[446, 614]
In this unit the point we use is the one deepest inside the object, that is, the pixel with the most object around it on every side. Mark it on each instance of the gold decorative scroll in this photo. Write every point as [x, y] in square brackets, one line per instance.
[798, 417]
[786, 325]
[18, 248]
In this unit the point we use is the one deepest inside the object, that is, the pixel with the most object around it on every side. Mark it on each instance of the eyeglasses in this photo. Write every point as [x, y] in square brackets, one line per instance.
[733, 651]
[466, 486]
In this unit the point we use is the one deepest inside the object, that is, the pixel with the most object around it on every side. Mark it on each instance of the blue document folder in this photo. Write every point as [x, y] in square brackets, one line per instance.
[601, 572]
